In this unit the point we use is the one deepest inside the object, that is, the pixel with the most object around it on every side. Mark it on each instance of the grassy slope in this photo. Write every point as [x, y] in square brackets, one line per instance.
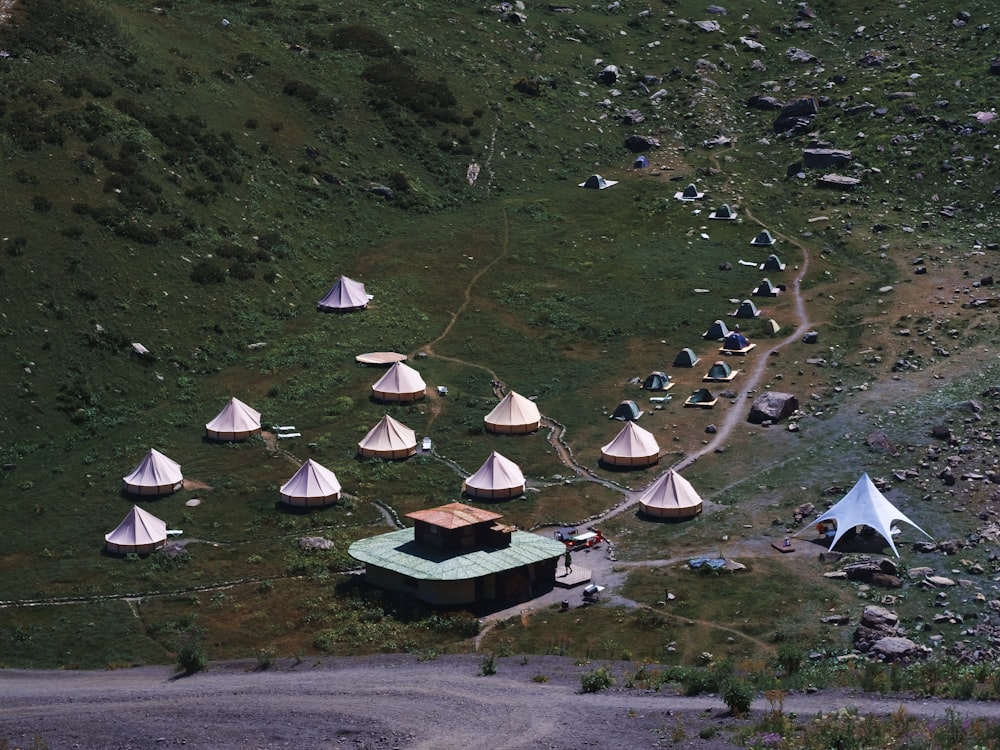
[155, 145]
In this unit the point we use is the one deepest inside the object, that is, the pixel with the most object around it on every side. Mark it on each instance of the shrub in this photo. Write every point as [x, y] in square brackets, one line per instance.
[789, 658]
[208, 272]
[738, 695]
[597, 679]
[191, 658]
[488, 665]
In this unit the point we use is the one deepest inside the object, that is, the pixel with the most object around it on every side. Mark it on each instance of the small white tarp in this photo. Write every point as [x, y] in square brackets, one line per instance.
[865, 505]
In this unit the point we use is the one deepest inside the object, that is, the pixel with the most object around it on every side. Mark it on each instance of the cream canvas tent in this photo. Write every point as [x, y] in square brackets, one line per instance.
[155, 475]
[670, 496]
[633, 446]
[388, 439]
[864, 505]
[514, 414]
[346, 295]
[139, 532]
[498, 478]
[313, 484]
[236, 421]
[400, 384]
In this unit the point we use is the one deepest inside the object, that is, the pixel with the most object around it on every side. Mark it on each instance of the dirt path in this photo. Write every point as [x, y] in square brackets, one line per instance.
[384, 702]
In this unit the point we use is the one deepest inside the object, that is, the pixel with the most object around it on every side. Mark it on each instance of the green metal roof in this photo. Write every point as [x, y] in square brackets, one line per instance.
[397, 551]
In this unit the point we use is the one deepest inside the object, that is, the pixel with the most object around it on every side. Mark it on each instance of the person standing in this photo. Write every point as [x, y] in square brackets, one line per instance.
[568, 562]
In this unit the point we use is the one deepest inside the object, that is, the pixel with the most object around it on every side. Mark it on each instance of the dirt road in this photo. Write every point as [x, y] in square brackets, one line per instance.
[379, 703]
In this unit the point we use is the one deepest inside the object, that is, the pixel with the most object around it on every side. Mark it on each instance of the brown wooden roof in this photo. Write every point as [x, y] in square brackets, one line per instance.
[453, 515]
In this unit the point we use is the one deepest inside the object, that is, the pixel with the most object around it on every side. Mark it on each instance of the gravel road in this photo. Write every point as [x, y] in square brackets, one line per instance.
[382, 702]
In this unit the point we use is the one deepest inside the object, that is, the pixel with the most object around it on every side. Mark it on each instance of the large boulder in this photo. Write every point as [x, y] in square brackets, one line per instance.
[797, 115]
[639, 143]
[772, 407]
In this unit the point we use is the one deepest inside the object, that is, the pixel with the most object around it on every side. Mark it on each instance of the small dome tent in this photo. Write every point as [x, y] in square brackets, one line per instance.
[720, 372]
[747, 309]
[763, 239]
[690, 193]
[657, 381]
[155, 475]
[717, 331]
[312, 485]
[641, 162]
[702, 399]
[686, 358]
[627, 411]
[772, 264]
[670, 496]
[723, 213]
[765, 289]
[401, 384]
[633, 447]
[498, 478]
[347, 295]
[864, 505]
[138, 533]
[388, 440]
[515, 414]
[736, 343]
[596, 182]
[236, 421]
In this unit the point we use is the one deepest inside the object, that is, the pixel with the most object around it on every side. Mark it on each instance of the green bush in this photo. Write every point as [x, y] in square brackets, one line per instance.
[488, 665]
[738, 695]
[597, 679]
[192, 658]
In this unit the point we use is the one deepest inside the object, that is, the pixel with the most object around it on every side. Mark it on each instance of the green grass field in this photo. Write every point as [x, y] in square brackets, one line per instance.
[196, 186]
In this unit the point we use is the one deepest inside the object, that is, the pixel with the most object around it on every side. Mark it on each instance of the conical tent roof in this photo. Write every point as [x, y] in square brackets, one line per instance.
[670, 496]
[720, 371]
[155, 475]
[514, 413]
[139, 531]
[236, 421]
[347, 294]
[312, 484]
[763, 238]
[633, 446]
[389, 439]
[400, 383]
[497, 477]
[865, 505]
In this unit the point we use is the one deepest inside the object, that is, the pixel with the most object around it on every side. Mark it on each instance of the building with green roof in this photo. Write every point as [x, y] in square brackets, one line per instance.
[457, 554]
